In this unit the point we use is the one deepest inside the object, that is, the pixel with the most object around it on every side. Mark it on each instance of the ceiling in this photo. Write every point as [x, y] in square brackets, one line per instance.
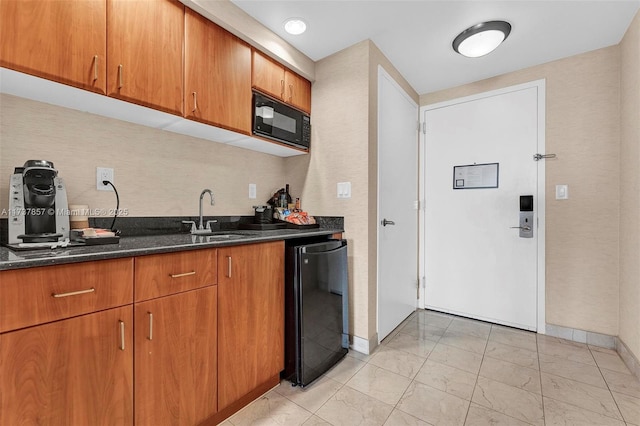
[416, 35]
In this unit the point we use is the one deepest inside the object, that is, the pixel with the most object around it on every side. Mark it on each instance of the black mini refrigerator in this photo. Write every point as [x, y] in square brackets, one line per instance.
[316, 309]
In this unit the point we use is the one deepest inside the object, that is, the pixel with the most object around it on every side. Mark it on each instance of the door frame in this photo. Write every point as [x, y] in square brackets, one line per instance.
[540, 85]
[383, 74]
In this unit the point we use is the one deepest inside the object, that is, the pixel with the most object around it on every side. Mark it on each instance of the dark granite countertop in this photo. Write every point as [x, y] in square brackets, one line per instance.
[152, 244]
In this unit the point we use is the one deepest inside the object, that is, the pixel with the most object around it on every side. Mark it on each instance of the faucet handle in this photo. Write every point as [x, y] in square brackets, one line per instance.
[193, 224]
[209, 222]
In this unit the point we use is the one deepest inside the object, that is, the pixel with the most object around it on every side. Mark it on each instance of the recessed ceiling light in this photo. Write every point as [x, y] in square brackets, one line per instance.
[295, 26]
[482, 38]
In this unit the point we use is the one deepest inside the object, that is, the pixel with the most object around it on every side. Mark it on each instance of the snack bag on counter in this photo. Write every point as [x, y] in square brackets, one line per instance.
[300, 218]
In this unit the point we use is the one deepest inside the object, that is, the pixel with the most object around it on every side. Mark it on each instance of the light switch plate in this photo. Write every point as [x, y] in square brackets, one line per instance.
[562, 192]
[252, 190]
[344, 189]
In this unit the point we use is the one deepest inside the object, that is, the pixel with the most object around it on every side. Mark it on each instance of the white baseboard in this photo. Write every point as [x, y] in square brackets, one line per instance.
[581, 336]
[597, 339]
[363, 345]
[628, 357]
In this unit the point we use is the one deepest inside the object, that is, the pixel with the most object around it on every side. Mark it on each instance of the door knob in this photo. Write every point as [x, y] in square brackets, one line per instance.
[386, 222]
[526, 228]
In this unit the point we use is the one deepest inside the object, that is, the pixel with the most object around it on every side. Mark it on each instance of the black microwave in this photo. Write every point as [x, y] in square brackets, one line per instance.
[275, 120]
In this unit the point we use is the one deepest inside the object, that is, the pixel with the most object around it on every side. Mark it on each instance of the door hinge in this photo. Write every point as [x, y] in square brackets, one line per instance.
[424, 127]
[418, 128]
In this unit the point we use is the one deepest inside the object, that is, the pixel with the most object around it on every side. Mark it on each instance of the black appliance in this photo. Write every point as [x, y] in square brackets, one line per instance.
[316, 309]
[277, 121]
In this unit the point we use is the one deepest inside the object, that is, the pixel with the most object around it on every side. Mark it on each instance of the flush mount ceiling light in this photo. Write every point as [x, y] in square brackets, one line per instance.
[482, 38]
[295, 26]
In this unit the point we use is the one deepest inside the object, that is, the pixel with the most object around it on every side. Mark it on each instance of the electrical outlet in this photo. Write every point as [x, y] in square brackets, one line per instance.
[102, 174]
[252, 191]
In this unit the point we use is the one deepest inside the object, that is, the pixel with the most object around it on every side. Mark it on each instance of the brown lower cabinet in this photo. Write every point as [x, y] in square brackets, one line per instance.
[175, 358]
[77, 371]
[250, 318]
[191, 357]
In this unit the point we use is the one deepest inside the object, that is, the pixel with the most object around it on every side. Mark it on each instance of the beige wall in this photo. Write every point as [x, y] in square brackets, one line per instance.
[339, 153]
[583, 129]
[344, 149]
[157, 173]
[630, 188]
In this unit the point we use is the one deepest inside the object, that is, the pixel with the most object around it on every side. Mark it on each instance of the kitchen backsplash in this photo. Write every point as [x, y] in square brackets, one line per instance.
[156, 172]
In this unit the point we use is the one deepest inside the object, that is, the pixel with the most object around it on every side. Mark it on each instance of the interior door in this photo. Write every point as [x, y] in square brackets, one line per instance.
[476, 262]
[397, 212]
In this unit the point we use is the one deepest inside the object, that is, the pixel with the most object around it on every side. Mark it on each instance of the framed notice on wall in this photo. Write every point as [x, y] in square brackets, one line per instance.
[475, 176]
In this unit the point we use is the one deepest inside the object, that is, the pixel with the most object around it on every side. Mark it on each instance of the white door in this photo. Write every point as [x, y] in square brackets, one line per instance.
[397, 195]
[476, 264]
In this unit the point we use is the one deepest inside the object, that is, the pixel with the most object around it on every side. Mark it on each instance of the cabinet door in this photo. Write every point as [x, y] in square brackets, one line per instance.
[297, 91]
[250, 318]
[144, 40]
[175, 358]
[217, 75]
[64, 41]
[73, 372]
[268, 76]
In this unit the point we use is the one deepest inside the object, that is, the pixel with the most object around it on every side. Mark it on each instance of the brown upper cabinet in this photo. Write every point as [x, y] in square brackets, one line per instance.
[63, 41]
[274, 79]
[144, 58]
[217, 73]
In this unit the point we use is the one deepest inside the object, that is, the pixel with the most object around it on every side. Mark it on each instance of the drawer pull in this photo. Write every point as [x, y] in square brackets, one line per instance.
[182, 275]
[73, 293]
[95, 67]
[121, 335]
[229, 266]
[120, 84]
[150, 326]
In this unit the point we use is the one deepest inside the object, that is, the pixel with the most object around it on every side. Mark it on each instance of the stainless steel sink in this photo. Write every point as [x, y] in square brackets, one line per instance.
[214, 236]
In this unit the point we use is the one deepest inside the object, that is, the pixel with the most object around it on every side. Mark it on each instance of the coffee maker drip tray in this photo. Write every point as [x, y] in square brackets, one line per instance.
[46, 237]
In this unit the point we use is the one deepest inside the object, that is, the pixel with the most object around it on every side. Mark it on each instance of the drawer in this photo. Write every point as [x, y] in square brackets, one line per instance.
[38, 295]
[163, 274]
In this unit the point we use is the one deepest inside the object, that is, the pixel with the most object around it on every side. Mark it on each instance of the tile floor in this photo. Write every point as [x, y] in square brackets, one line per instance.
[436, 369]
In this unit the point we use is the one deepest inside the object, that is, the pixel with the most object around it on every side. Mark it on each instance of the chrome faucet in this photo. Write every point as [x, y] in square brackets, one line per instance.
[200, 229]
[200, 225]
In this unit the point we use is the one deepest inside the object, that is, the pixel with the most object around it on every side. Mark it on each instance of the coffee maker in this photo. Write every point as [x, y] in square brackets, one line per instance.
[38, 209]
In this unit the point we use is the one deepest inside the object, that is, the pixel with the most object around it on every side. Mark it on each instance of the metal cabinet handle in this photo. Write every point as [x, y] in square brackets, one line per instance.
[526, 228]
[73, 293]
[195, 102]
[120, 76]
[386, 222]
[95, 67]
[184, 274]
[229, 266]
[121, 335]
[150, 325]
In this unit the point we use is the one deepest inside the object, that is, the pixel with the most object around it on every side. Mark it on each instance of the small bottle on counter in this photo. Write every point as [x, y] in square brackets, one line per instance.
[286, 191]
[298, 204]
